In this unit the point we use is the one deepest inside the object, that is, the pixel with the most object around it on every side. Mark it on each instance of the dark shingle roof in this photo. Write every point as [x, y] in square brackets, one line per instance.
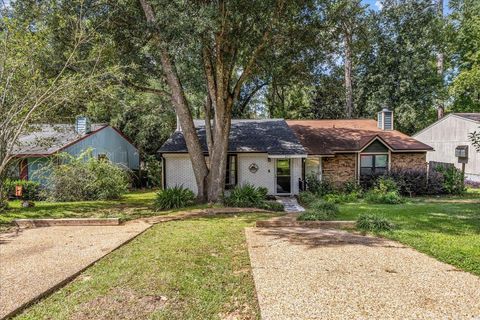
[45, 139]
[327, 137]
[272, 136]
[471, 116]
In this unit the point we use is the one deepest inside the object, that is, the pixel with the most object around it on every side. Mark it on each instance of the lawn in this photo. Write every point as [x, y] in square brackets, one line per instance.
[445, 228]
[132, 205]
[192, 269]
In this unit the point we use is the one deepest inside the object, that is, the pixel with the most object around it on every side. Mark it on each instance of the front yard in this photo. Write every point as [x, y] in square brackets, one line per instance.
[199, 268]
[445, 228]
[195, 269]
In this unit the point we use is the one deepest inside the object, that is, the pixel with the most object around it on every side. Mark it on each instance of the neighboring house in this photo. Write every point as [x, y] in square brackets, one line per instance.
[344, 150]
[264, 153]
[447, 134]
[45, 140]
[278, 154]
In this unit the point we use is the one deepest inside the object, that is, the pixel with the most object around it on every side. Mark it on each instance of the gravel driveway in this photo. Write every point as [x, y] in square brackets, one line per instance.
[331, 274]
[36, 260]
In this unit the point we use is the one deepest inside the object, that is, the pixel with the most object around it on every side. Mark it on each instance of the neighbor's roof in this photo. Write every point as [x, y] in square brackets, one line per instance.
[327, 137]
[46, 139]
[470, 116]
[271, 136]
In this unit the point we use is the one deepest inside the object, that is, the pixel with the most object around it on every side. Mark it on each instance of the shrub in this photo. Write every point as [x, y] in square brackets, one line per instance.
[319, 210]
[341, 197]
[273, 206]
[246, 196]
[385, 191]
[84, 178]
[173, 198]
[371, 222]
[318, 187]
[453, 179]
[306, 198]
[352, 187]
[30, 189]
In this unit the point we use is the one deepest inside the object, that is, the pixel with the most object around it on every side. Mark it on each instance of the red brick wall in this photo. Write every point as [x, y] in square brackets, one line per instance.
[339, 169]
[409, 160]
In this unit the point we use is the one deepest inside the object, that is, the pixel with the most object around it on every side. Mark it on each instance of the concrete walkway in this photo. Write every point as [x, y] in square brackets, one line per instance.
[36, 261]
[290, 204]
[305, 273]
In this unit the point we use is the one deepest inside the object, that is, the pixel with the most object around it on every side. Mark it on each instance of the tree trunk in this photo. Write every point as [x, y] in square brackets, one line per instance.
[348, 76]
[440, 68]
[182, 110]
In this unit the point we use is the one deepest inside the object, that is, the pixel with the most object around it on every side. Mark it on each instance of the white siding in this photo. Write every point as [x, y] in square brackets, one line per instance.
[179, 171]
[264, 177]
[444, 136]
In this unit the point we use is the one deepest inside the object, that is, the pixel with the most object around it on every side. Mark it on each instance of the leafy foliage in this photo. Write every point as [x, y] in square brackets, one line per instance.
[246, 196]
[319, 210]
[372, 222]
[306, 198]
[30, 189]
[453, 179]
[318, 187]
[83, 178]
[173, 198]
[385, 191]
[339, 198]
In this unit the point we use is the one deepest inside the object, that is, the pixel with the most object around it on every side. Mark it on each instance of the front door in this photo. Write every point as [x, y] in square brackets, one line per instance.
[283, 176]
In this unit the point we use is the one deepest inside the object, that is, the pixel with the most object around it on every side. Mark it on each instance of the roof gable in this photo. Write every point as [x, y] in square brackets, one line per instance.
[46, 139]
[272, 136]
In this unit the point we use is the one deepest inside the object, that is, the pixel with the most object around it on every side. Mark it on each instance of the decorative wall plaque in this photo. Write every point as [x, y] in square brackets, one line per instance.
[253, 168]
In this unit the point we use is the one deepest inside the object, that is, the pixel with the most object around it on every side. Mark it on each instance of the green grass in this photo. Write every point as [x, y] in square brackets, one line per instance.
[447, 228]
[133, 205]
[200, 266]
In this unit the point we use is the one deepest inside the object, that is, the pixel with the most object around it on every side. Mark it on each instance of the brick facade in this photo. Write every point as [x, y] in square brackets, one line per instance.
[340, 169]
[409, 160]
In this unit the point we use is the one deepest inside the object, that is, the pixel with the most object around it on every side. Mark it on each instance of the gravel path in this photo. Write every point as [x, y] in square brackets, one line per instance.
[36, 260]
[331, 274]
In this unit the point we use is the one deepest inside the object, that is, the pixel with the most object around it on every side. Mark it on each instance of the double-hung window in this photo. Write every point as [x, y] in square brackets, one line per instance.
[373, 164]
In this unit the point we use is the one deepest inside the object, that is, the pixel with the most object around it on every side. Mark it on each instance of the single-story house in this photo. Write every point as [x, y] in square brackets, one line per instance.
[36, 147]
[450, 134]
[279, 154]
[264, 153]
[344, 150]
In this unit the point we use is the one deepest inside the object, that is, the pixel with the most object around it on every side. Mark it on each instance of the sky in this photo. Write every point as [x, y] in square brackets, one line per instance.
[376, 5]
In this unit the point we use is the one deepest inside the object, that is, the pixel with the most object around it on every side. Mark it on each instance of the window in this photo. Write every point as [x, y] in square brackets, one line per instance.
[231, 176]
[373, 164]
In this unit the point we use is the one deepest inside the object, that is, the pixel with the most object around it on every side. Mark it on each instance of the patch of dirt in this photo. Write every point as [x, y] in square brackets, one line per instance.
[120, 303]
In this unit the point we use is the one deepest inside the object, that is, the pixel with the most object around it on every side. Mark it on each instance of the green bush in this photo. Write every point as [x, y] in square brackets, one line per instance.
[246, 196]
[385, 191]
[83, 178]
[318, 187]
[173, 198]
[392, 197]
[453, 179]
[352, 186]
[340, 198]
[306, 198]
[273, 206]
[371, 222]
[30, 189]
[320, 210]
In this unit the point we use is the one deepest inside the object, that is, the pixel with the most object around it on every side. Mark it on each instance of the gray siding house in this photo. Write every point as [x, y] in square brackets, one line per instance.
[447, 134]
[45, 140]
